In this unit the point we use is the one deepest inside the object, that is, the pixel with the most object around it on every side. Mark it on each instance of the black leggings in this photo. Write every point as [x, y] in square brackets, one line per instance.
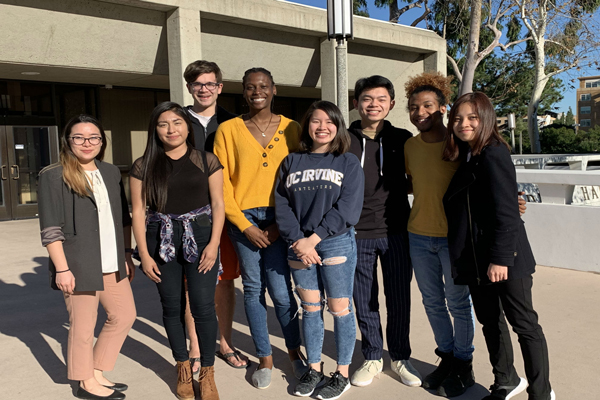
[201, 289]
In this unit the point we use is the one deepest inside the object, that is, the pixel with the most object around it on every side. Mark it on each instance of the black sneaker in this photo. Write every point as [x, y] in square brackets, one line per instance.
[461, 378]
[435, 379]
[505, 392]
[335, 387]
[308, 383]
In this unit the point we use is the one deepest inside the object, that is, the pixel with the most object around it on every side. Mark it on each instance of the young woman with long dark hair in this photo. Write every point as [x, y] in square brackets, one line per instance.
[489, 249]
[251, 148]
[318, 201]
[85, 226]
[178, 238]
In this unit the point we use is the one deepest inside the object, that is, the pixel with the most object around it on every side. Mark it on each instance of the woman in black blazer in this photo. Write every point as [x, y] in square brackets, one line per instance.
[489, 249]
[86, 227]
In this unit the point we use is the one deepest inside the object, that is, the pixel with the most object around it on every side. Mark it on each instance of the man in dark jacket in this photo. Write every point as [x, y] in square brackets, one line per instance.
[205, 82]
[381, 233]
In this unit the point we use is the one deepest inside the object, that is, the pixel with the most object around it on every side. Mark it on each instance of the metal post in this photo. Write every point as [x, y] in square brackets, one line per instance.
[342, 78]
[521, 142]
[512, 139]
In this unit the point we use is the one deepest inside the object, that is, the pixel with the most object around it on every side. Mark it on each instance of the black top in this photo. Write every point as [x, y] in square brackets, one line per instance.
[484, 225]
[386, 208]
[205, 138]
[187, 182]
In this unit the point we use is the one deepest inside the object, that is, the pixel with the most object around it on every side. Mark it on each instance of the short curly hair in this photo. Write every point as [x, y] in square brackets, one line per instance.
[430, 82]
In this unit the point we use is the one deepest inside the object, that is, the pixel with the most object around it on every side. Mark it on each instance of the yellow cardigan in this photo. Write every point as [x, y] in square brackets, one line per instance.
[249, 170]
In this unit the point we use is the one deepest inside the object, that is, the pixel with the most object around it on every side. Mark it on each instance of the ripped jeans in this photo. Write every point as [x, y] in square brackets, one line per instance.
[333, 279]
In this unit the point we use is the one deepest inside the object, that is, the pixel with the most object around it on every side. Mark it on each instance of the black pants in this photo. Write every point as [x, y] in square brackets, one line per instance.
[397, 274]
[201, 289]
[513, 300]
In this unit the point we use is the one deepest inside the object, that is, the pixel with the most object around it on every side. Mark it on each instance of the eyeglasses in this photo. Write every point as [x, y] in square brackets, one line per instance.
[210, 86]
[80, 140]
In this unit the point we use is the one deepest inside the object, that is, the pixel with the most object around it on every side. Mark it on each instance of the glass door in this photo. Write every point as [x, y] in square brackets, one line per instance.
[28, 149]
[5, 203]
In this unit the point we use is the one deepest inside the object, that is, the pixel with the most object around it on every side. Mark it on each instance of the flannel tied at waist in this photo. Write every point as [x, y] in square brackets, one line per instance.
[167, 248]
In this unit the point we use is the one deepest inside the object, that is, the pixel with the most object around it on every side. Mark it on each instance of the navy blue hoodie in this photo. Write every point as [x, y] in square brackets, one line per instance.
[318, 193]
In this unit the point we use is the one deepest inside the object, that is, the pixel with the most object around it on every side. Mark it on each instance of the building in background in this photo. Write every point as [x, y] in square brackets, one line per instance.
[588, 102]
[117, 59]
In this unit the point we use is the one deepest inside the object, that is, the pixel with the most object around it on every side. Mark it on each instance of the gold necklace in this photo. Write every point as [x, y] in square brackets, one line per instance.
[262, 131]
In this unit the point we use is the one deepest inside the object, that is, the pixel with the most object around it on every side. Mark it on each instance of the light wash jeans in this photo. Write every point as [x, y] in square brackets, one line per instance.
[263, 269]
[441, 297]
[334, 281]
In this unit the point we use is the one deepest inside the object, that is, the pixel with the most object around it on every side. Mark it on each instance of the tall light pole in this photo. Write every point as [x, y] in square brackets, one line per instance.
[339, 27]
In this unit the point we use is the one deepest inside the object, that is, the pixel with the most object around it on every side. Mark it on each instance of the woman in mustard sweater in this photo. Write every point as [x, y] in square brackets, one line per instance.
[251, 148]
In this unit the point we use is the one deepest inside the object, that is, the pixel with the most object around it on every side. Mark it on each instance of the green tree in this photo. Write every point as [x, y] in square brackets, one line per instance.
[508, 81]
[564, 35]
[360, 8]
[570, 118]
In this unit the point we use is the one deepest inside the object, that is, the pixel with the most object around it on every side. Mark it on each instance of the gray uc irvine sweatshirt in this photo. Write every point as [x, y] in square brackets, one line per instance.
[318, 193]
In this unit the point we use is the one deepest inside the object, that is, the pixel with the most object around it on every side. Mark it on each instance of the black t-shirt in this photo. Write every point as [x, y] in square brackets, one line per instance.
[187, 181]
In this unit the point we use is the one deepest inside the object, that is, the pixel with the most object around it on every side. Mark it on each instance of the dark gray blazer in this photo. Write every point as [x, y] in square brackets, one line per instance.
[73, 219]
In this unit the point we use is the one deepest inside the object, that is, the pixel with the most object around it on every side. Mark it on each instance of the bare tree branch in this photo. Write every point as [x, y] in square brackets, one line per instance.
[423, 16]
[396, 15]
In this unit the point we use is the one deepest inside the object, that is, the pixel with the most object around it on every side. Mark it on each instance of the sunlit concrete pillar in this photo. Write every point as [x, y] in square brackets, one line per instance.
[184, 46]
[328, 71]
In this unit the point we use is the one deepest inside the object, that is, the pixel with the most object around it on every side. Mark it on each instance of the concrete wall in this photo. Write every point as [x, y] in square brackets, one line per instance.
[82, 41]
[561, 234]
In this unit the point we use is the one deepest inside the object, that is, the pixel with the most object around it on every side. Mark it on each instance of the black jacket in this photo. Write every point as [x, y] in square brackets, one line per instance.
[205, 138]
[73, 219]
[385, 208]
[484, 225]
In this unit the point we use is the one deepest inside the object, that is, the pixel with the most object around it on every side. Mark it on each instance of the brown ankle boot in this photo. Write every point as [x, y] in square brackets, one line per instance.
[185, 386]
[208, 388]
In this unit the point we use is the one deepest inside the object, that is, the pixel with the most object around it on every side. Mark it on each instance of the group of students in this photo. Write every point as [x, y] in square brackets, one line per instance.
[315, 202]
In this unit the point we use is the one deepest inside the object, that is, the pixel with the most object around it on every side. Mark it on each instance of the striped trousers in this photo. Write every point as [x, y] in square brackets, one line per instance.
[393, 253]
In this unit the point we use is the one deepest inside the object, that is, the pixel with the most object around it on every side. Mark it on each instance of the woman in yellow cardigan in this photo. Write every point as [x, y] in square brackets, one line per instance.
[251, 148]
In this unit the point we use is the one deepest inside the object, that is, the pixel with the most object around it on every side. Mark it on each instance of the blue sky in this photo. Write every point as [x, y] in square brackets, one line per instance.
[383, 14]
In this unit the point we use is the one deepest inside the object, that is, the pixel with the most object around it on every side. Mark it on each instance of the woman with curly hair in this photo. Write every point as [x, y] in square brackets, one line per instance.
[430, 175]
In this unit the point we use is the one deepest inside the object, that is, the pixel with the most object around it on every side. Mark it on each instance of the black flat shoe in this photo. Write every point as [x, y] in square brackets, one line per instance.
[84, 394]
[119, 387]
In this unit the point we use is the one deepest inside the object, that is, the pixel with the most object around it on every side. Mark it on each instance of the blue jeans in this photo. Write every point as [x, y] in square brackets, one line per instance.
[431, 264]
[334, 280]
[263, 269]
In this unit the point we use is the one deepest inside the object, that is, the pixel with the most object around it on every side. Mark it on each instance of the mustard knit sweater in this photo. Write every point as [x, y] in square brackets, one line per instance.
[249, 170]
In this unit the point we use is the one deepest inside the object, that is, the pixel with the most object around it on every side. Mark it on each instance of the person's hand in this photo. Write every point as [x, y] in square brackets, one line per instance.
[129, 266]
[208, 258]
[272, 233]
[303, 247]
[522, 203]
[151, 269]
[65, 281]
[497, 273]
[312, 257]
[257, 237]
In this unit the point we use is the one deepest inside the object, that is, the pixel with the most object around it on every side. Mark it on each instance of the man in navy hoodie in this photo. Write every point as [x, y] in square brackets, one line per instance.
[381, 233]
[205, 82]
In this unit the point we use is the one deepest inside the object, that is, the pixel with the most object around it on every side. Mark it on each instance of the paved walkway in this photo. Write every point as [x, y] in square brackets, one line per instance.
[33, 336]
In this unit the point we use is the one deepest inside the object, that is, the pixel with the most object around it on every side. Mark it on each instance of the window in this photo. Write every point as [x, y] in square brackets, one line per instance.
[586, 97]
[585, 123]
[591, 84]
[585, 109]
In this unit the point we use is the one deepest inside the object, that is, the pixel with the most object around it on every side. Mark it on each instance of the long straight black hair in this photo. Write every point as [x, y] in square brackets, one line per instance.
[155, 169]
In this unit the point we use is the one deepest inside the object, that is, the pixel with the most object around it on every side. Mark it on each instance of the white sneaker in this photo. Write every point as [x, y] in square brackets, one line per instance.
[365, 374]
[552, 395]
[407, 373]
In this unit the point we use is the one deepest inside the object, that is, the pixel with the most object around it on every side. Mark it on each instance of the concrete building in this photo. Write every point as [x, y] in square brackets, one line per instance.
[588, 102]
[117, 59]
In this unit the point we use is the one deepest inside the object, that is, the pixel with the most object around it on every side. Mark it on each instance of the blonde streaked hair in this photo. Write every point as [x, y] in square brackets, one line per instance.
[73, 174]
